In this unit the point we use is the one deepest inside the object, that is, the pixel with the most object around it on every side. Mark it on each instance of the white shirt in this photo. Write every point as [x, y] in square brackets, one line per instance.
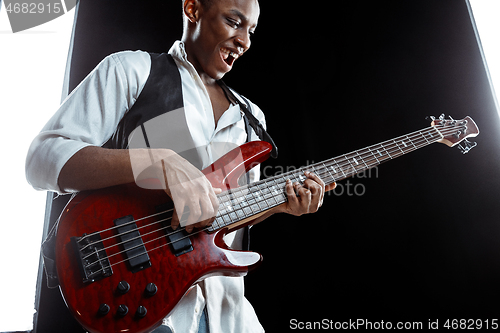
[89, 116]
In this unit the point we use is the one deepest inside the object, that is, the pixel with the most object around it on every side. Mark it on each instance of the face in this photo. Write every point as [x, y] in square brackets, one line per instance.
[218, 35]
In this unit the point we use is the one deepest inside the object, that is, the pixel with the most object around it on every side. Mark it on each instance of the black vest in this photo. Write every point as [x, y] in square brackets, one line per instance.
[161, 94]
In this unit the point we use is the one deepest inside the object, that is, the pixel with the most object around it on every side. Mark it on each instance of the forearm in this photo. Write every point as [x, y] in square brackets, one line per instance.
[95, 167]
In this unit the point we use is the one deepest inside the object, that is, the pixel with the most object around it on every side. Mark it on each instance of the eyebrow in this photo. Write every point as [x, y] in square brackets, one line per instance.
[241, 16]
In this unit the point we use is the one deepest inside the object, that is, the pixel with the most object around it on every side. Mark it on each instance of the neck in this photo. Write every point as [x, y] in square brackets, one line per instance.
[190, 49]
[237, 206]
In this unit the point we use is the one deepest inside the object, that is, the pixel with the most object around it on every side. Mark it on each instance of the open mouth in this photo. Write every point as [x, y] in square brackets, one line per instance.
[229, 56]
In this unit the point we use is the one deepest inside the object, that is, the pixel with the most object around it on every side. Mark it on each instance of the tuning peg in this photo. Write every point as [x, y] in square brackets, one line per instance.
[431, 118]
[467, 145]
[441, 117]
[453, 121]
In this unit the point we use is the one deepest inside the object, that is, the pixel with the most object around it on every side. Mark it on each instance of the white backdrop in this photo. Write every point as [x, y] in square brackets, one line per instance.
[32, 65]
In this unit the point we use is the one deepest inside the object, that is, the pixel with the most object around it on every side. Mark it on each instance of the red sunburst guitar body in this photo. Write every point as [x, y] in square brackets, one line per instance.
[137, 298]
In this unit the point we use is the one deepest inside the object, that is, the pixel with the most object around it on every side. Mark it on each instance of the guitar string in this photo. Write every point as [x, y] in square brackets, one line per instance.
[320, 174]
[366, 151]
[115, 227]
[418, 145]
[241, 209]
[153, 215]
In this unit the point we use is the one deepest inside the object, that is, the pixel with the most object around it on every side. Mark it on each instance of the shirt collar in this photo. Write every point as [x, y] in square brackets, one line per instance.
[178, 51]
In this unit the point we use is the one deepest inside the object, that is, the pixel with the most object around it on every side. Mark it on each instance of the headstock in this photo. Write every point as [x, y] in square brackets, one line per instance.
[456, 132]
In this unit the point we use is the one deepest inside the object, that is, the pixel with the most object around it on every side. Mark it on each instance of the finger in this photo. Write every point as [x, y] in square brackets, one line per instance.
[217, 190]
[330, 187]
[207, 212]
[194, 214]
[321, 185]
[315, 177]
[312, 176]
[317, 192]
[290, 193]
[304, 199]
[297, 187]
[215, 203]
[174, 223]
[316, 200]
[177, 216]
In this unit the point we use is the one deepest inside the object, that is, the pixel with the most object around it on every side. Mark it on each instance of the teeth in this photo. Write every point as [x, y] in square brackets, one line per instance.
[232, 54]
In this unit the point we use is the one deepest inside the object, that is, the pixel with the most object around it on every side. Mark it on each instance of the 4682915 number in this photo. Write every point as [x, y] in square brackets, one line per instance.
[471, 324]
[34, 8]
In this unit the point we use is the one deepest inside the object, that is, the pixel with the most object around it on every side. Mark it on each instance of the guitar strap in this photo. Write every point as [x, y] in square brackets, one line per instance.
[249, 118]
[153, 102]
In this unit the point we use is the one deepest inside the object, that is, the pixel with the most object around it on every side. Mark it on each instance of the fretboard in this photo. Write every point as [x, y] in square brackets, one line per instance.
[246, 201]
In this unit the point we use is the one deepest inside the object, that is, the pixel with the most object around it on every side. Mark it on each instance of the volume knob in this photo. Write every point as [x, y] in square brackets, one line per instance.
[141, 311]
[103, 309]
[151, 289]
[123, 287]
[122, 310]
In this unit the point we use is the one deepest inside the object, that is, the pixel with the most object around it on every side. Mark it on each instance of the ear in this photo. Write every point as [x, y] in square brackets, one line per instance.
[192, 10]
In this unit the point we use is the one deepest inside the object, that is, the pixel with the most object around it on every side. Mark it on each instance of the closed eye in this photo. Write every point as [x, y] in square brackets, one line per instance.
[233, 23]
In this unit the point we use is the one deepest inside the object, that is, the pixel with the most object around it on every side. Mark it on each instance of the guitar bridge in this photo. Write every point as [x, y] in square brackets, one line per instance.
[92, 258]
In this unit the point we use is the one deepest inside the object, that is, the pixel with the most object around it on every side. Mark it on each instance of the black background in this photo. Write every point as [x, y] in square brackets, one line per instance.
[422, 241]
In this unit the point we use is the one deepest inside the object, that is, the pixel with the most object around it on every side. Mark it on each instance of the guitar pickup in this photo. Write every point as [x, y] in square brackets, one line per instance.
[177, 239]
[131, 241]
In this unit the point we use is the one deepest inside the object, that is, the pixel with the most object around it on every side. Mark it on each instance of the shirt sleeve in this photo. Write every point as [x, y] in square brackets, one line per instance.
[87, 117]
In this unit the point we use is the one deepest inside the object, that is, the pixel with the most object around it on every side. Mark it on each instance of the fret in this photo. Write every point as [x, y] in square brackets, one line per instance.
[362, 160]
[375, 156]
[409, 145]
[295, 178]
[379, 152]
[410, 140]
[218, 222]
[277, 189]
[405, 146]
[253, 203]
[356, 165]
[398, 146]
[226, 219]
[329, 174]
[424, 136]
[352, 167]
[386, 151]
[341, 170]
[260, 198]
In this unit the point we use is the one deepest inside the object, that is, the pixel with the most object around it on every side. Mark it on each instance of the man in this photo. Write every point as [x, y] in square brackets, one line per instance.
[71, 153]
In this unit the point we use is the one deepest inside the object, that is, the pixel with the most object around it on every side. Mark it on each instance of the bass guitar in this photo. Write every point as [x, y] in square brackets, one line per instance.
[122, 268]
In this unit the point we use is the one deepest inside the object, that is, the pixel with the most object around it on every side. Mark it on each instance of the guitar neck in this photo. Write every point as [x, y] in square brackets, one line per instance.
[243, 203]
